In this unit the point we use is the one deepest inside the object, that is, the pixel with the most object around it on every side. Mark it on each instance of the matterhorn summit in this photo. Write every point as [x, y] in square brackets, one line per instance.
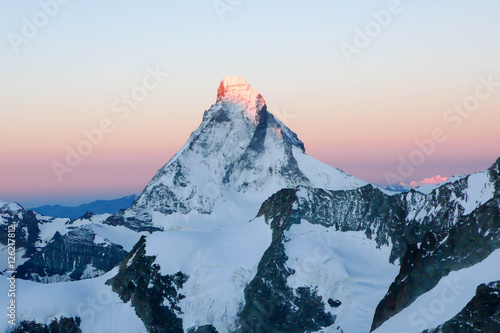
[236, 90]
[239, 153]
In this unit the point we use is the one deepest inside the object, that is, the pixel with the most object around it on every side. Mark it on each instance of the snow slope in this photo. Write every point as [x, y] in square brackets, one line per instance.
[100, 309]
[343, 266]
[219, 265]
[445, 300]
[479, 189]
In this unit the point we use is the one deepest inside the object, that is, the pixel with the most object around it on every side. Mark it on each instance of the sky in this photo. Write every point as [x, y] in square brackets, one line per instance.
[389, 91]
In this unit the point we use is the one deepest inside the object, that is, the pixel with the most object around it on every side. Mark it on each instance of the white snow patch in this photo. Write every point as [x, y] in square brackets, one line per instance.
[344, 266]
[480, 189]
[324, 176]
[219, 264]
[100, 309]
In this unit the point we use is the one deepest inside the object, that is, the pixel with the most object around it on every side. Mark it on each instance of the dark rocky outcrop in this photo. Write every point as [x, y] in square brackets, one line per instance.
[74, 256]
[431, 235]
[471, 240]
[87, 216]
[384, 218]
[202, 329]
[271, 305]
[480, 315]
[27, 228]
[143, 224]
[334, 303]
[61, 325]
[154, 296]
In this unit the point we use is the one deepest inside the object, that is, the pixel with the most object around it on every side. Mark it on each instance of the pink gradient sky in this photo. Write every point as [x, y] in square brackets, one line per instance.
[359, 117]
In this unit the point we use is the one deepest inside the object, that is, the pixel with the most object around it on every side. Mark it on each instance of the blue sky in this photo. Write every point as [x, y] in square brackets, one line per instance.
[360, 116]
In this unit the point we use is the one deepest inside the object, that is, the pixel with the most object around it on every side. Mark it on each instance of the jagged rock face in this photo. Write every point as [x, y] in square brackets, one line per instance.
[473, 235]
[154, 296]
[133, 222]
[366, 209]
[27, 229]
[468, 242]
[481, 315]
[465, 210]
[272, 306]
[398, 219]
[61, 325]
[76, 255]
[494, 172]
[229, 147]
[236, 90]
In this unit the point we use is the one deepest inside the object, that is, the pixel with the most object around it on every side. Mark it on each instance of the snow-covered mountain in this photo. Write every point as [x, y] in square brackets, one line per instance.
[59, 249]
[240, 152]
[447, 229]
[241, 231]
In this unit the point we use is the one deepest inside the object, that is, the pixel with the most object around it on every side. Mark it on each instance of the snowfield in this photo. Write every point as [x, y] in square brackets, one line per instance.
[219, 265]
[100, 309]
[344, 266]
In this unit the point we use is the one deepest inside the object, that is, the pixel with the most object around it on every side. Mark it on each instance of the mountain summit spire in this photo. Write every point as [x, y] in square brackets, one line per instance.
[240, 149]
[236, 90]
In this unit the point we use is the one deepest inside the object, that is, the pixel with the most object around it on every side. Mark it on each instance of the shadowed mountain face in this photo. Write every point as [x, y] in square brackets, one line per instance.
[154, 296]
[482, 313]
[56, 249]
[74, 256]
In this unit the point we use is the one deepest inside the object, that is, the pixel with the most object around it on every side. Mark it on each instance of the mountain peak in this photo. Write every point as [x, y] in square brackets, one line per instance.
[239, 150]
[236, 90]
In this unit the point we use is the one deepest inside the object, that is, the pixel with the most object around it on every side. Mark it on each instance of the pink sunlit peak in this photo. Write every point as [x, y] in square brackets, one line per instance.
[236, 90]
[427, 181]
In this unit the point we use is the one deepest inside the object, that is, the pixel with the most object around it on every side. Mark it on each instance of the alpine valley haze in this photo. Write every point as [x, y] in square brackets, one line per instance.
[242, 231]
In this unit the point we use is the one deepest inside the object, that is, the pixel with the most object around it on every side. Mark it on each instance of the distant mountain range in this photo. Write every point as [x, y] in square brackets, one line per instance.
[98, 207]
